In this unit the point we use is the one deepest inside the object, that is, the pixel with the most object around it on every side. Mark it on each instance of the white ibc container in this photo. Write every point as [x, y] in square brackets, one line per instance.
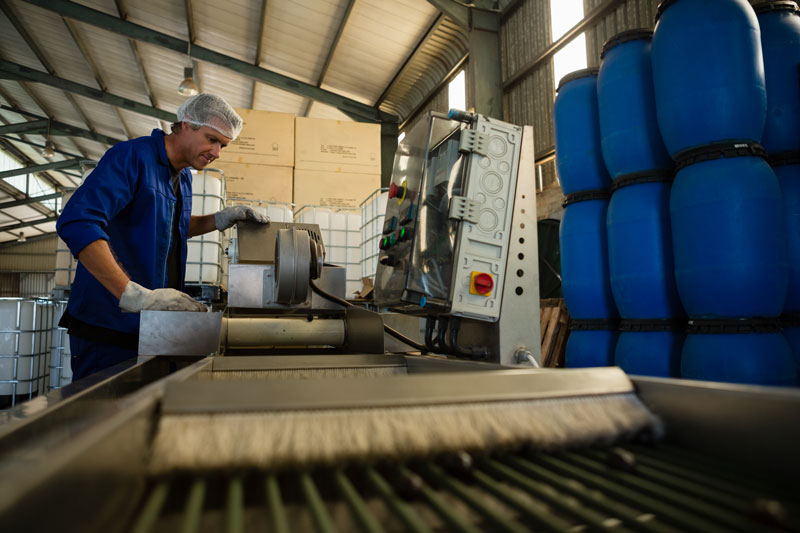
[60, 354]
[373, 211]
[25, 342]
[66, 264]
[341, 234]
[204, 255]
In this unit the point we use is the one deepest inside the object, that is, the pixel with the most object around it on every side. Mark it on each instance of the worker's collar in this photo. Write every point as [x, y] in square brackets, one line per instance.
[159, 137]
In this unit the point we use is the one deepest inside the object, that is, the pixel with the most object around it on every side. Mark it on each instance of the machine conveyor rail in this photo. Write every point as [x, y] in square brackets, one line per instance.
[638, 488]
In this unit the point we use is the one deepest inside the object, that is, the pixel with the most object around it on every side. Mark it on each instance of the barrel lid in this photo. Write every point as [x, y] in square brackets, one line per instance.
[652, 324]
[781, 5]
[656, 175]
[586, 196]
[594, 324]
[663, 6]
[626, 36]
[784, 158]
[720, 326]
[718, 150]
[578, 74]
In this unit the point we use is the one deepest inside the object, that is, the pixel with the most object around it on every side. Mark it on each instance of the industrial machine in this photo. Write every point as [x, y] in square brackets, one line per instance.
[308, 422]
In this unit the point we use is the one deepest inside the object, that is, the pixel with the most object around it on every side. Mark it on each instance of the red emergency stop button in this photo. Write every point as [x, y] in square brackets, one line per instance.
[393, 190]
[481, 283]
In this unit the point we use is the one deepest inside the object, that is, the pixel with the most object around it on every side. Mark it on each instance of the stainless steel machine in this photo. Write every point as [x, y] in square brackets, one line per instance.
[94, 457]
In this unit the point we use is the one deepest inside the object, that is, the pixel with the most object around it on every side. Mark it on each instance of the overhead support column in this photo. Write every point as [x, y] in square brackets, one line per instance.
[484, 76]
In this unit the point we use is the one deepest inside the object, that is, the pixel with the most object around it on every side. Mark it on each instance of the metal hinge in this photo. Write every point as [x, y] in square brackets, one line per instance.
[462, 208]
[473, 141]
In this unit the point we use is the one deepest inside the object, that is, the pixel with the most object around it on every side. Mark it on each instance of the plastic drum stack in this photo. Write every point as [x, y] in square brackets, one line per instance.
[652, 329]
[729, 242]
[584, 248]
[780, 42]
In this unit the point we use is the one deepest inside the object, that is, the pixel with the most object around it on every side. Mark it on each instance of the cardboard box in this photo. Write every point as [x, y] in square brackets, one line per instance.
[266, 183]
[267, 138]
[337, 146]
[333, 189]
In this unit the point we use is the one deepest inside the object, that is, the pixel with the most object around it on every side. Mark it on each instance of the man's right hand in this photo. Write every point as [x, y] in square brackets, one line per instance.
[136, 298]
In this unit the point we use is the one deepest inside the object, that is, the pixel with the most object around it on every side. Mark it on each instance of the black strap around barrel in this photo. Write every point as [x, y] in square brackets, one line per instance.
[652, 324]
[594, 324]
[585, 196]
[782, 159]
[657, 175]
[734, 325]
[718, 150]
[790, 320]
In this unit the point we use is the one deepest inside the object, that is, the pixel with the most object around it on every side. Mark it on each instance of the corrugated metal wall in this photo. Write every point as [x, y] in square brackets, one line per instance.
[438, 103]
[630, 15]
[33, 256]
[36, 284]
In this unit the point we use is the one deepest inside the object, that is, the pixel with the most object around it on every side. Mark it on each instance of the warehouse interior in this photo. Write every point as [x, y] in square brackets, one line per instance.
[499, 290]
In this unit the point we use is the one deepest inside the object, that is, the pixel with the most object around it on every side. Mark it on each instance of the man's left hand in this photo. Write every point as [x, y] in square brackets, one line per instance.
[229, 216]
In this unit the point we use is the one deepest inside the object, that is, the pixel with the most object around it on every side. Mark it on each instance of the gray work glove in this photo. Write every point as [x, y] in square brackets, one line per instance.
[136, 298]
[231, 215]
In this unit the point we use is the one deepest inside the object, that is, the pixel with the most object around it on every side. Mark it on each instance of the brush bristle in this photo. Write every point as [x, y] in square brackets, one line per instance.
[303, 373]
[268, 440]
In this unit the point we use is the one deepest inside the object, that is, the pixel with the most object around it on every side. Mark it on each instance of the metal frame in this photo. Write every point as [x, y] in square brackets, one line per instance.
[257, 60]
[56, 128]
[28, 224]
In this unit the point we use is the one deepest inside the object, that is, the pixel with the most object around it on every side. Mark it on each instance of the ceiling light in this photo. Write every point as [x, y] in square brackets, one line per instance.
[188, 87]
[48, 150]
[21, 237]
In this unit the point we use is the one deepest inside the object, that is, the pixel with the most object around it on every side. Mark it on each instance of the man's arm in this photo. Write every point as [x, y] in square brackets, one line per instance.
[200, 225]
[100, 262]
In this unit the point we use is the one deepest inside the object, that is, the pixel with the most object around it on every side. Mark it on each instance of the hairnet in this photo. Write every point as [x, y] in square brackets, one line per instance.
[210, 110]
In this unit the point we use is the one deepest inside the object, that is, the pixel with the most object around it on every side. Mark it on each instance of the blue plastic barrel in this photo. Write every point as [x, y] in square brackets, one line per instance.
[791, 330]
[762, 357]
[584, 260]
[708, 73]
[579, 157]
[629, 132]
[728, 233]
[650, 353]
[590, 348]
[780, 41]
[787, 168]
[641, 265]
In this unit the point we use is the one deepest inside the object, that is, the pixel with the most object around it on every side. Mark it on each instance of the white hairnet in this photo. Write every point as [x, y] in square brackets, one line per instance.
[210, 110]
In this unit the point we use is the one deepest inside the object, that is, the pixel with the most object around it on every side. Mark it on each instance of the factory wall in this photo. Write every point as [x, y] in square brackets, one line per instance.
[37, 255]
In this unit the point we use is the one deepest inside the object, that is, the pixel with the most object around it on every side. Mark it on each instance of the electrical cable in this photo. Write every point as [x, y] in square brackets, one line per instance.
[391, 331]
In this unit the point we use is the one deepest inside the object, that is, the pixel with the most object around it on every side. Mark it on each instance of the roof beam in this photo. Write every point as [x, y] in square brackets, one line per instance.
[134, 31]
[33, 127]
[62, 129]
[41, 147]
[332, 51]
[30, 200]
[34, 169]
[257, 60]
[28, 224]
[89, 92]
[15, 21]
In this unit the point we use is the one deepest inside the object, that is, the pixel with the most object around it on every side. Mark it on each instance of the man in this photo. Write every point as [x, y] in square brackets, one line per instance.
[128, 224]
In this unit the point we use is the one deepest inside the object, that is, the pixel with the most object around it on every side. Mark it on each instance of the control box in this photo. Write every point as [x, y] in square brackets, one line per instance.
[448, 218]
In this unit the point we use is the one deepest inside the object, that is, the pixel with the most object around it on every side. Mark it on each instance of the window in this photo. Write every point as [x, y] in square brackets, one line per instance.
[457, 92]
[564, 14]
[34, 185]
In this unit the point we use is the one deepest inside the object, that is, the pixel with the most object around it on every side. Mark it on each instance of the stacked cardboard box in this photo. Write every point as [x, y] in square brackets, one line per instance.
[336, 164]
[258, 165]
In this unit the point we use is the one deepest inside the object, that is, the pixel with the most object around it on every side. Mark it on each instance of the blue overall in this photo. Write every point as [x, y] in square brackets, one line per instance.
[127, 200]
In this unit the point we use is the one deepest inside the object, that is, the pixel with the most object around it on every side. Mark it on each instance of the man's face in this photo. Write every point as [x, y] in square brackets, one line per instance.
[202, 146]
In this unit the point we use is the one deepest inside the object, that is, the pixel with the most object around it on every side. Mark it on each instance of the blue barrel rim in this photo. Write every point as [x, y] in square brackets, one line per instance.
[721, 326]
[577, 75]
[718, 150]
[586, 196]
[782, 159]
[638, 34]
[656, 175]
[663, 6]
[594, 324]
[771, 6]
[652, 324]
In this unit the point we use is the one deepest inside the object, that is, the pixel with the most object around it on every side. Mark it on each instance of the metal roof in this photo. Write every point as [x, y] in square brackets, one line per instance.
[101, 74]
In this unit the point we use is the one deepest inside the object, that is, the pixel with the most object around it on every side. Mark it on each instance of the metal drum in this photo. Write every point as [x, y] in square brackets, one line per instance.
[25, 332]
[60, 354]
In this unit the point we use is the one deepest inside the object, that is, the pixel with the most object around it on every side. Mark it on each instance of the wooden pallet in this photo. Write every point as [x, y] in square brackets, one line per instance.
[553, 325]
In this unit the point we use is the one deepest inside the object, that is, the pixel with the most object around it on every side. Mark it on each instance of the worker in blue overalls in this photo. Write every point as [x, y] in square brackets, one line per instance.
[128, 224]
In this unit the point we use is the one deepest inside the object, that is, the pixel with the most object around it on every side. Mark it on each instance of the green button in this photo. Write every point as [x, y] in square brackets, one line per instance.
[393, 239]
